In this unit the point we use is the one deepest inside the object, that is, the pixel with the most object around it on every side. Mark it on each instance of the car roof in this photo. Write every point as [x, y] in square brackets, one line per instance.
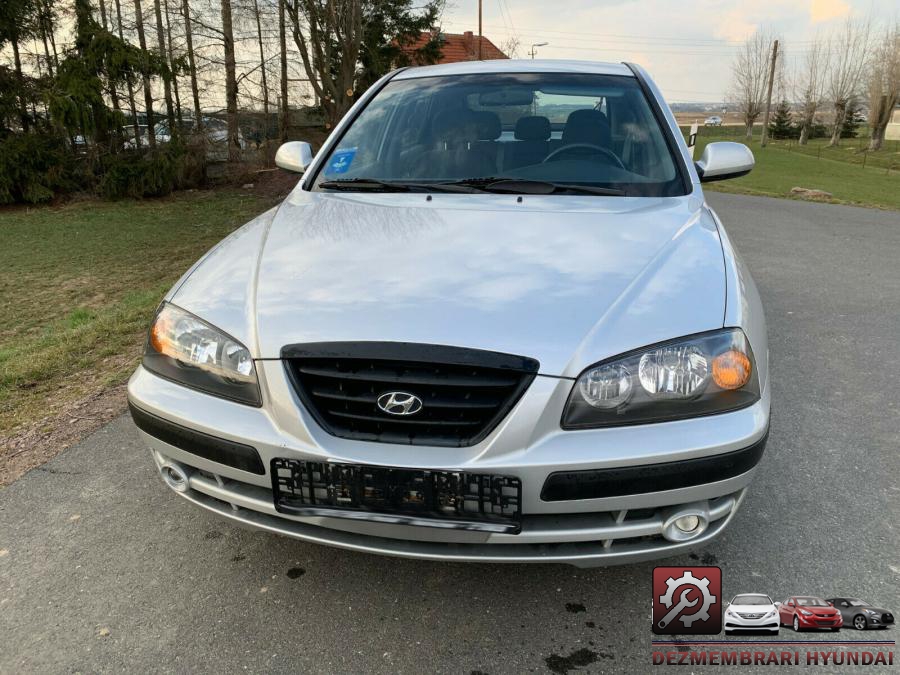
[515, 66]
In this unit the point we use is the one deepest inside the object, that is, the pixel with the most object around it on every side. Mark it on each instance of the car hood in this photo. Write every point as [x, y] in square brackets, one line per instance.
[752, 609]
[567, 280]
[820, 611]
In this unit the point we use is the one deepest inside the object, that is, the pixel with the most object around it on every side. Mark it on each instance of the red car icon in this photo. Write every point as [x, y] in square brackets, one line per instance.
[807, 612]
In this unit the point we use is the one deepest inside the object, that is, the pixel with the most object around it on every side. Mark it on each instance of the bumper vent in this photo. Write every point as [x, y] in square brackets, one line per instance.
[459, 395]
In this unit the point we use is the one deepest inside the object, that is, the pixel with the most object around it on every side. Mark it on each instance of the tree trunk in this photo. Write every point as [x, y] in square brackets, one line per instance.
[148, 95]
[877, 139]
[167, 76]
[131, 104]
[172, 67]
[192, 67]
[879, 117]
[262, 65]
[43, 24]
[282, 40]
[840, 112]
[112, 88]
[748, 130]
[804, 133]
[23, 106]
[234, 148]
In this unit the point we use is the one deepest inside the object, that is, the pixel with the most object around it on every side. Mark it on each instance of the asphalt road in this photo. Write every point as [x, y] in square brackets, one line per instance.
[103, 569]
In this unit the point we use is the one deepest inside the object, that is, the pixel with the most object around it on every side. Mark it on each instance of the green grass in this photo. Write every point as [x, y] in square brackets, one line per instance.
[781, 166]
[79, 283]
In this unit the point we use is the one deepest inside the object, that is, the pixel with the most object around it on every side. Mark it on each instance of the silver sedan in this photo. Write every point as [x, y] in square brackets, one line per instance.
[496, 320]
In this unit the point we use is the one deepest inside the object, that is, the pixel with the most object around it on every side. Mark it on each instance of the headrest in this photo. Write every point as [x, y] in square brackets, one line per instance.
[532, 128]
[488, 125]
[465, 125]
[587, 126]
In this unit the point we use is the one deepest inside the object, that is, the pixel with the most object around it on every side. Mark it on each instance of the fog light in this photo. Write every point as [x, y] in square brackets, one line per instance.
[687, 524]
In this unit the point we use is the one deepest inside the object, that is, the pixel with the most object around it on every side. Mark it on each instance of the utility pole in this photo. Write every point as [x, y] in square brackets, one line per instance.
[765, 130]
[479, 30]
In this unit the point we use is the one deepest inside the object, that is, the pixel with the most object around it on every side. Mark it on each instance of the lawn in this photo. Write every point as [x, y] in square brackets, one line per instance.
[782, 165]
[79, 283]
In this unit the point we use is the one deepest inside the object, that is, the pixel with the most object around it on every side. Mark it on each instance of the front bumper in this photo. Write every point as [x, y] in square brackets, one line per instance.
[739, 623]
[608, 524]
[811, 622]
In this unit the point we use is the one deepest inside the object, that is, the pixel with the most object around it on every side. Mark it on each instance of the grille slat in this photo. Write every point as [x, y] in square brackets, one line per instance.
[464, 393]
[467, 377]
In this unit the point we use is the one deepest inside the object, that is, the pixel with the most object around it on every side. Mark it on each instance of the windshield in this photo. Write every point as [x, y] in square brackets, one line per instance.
[751, 600]
[859, 603]
[811, 602]
[559, 128]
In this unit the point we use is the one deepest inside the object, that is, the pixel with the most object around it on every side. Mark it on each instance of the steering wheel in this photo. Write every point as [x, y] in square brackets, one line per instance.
[584, 146]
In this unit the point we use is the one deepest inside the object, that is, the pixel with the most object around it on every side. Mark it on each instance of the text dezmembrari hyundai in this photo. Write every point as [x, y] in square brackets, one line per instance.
[495, 321]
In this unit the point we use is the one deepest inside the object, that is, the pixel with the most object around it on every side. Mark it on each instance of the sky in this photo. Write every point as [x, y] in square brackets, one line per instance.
[687, 45]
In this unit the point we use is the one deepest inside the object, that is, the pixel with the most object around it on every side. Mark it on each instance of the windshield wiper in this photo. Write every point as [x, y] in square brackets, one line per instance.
[378, 185]
[535, 187]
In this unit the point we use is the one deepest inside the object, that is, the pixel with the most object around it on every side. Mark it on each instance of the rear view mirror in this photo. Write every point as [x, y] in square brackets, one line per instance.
[724, 160]
[294, 156]
[507, 96]
[778, 604]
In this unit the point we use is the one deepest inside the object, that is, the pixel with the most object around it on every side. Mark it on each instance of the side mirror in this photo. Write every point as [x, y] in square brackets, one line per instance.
[294, 156]
[724, 160]
[778, 604]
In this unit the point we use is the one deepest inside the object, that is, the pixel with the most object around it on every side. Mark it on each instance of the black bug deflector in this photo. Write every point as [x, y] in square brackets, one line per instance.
[440, 499]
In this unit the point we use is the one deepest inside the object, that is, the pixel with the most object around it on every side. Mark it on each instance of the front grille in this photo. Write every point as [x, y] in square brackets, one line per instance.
[749, 616]
[464, 393]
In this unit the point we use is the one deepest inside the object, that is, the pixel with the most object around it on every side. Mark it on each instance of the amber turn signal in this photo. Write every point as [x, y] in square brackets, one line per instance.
[731, 369]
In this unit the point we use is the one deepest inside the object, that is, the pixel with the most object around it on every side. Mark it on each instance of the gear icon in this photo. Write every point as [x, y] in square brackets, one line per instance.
[688, 579]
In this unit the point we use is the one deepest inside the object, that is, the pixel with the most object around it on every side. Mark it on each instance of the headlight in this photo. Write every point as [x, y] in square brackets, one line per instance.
[770, 614]
[806, 612]
[871, 611]
[699, 375]
[189, 351]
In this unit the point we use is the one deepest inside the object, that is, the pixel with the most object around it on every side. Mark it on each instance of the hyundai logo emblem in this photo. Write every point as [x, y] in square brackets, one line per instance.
[399, 403]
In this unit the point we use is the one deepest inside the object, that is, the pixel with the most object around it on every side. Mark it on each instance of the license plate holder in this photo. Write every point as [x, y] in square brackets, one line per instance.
[423, 497]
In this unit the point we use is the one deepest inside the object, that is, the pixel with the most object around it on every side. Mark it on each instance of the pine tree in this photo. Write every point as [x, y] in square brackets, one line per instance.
[782, 125]
[852, 120]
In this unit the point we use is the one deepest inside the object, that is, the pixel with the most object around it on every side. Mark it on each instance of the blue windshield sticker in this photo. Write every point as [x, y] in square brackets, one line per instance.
[341, 160]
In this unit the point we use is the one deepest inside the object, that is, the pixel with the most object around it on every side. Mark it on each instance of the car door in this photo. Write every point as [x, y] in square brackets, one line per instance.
[786, 611]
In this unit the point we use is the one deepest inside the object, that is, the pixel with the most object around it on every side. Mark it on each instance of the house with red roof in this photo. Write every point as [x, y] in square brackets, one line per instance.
[456, 47]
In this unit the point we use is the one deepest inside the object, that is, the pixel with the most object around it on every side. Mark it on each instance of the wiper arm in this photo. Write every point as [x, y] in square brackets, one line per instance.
[363, 185]
[377, 185]
[539, 187]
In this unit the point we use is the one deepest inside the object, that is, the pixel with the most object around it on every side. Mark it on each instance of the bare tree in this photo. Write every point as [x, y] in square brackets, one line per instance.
[511, 46]
[131, 104]
[234, 148]
[808, 81]
[848, 47]
[172, 64]
[192, 65]
[282, 44]
[167, 77]
[145, 73]
[262, 67]
[750, 74]
[328, 34]
[884, 84]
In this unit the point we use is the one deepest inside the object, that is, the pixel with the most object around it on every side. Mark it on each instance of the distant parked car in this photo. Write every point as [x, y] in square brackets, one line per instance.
[861, 615]
[751, 611]
[805, 612]
[713, 121]
[216, 132]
